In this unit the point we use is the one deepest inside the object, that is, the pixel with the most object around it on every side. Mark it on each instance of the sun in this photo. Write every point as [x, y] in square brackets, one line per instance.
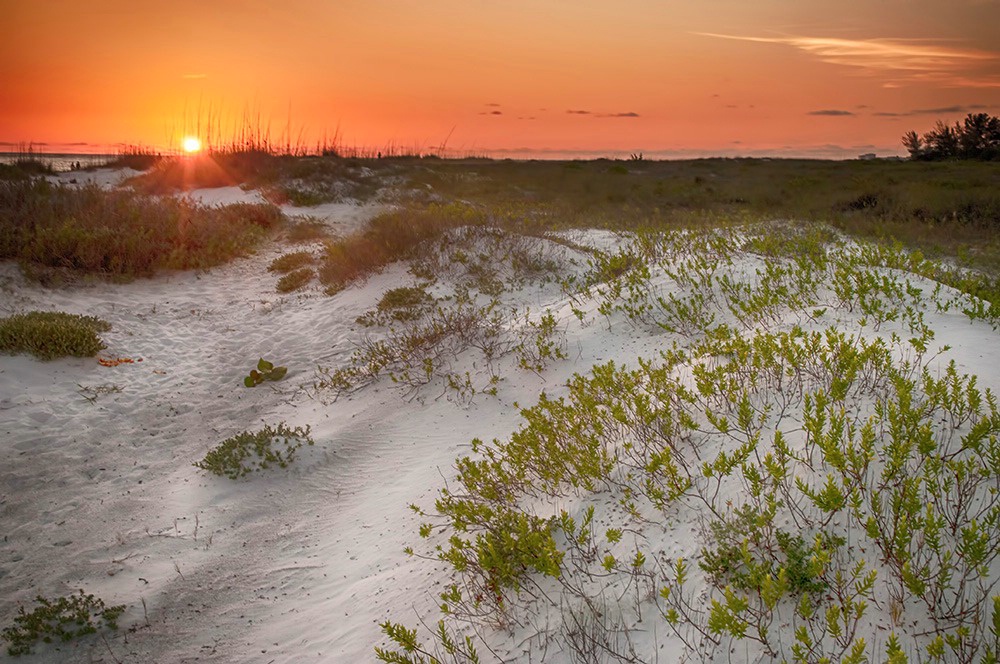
[191, 144]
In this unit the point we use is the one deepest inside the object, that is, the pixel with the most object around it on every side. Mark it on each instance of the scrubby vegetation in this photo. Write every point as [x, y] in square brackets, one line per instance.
[795, 477]
[293, 261]
[60, 620]
[52, 334]
[249, 452]
[56, 230]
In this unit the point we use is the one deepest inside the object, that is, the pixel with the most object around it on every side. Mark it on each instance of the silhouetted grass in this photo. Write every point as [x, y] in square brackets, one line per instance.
[120, 234]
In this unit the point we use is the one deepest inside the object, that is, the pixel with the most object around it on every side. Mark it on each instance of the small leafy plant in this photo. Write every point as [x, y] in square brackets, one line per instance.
[247, 452]
[265, 371]
[62, 619]
[52, 334]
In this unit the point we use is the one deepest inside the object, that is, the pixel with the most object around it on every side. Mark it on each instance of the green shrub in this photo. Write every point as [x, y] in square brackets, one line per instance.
[248, 452]
[62, 619]
[52, 334]
[399, 304]
[121, 233]
[295, 280]
[289, 262]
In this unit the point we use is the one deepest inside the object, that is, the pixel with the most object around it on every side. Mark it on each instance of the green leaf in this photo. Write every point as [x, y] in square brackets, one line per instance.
[277, 373]
[264, 366]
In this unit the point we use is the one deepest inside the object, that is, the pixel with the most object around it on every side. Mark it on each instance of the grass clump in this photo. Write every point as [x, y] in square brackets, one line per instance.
[295, 280]
[288, 262]
[53, 229]
[247, 452]
[398, 304]
[52, 334]
[306, 230]
[389, 237]
[62, 619]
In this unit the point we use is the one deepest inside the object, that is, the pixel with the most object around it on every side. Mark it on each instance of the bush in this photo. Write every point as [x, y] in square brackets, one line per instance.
[293, 281]
[289, 262]
[120, 233]
[63, 619]
[52, 334]
[247, 452]
[399, 304]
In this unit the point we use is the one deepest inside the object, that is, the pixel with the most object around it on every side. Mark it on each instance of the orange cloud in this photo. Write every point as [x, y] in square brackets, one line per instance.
[906, 58]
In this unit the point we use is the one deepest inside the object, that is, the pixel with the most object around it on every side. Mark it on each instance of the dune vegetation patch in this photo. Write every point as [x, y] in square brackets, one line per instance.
[249, 452]
[49, 335]
[835, 477]
[52, 229]
[58, 621]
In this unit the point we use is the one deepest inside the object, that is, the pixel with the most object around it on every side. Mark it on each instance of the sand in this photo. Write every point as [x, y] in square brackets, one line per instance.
[98, 490]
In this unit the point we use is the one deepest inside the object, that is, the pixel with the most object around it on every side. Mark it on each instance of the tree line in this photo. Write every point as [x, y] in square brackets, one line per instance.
[976, 137]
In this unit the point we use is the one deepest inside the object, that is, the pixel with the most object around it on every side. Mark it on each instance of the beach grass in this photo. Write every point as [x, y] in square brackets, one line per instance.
[57, 231]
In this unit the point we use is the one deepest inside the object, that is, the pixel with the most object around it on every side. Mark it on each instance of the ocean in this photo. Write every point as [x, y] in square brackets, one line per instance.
[59, 162]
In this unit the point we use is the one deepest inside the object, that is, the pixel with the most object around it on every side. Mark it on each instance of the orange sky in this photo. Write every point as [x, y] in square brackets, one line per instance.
[666, 77]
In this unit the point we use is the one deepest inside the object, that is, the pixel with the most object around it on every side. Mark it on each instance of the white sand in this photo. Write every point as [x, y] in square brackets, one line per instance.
[98, 491]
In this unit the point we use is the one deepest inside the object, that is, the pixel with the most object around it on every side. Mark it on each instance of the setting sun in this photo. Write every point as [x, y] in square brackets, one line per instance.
[191, 144]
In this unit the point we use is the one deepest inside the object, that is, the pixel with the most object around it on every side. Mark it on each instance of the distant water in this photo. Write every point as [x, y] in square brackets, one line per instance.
[59, 162]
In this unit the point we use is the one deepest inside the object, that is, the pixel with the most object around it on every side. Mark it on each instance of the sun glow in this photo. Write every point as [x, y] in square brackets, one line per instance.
[191, 144]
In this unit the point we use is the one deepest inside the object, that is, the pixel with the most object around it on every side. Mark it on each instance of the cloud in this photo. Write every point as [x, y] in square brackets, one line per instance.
[934, 111]
[493, 105]
[491, 113]
[831, 113]
[626, 114]
[908, 59]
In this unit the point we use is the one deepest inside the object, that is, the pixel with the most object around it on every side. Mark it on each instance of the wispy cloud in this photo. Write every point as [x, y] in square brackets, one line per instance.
[943, 110]
[626, 114]
[491, 113]
[831, 113]
[907, 59]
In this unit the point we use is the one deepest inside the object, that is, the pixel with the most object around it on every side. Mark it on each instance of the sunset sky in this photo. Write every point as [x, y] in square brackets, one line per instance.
[519, 78]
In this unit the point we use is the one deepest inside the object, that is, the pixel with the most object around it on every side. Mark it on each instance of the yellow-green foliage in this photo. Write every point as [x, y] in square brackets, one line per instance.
[120, 233]
[51, 334]
[247, 452]
[289, 262]
[295, 280]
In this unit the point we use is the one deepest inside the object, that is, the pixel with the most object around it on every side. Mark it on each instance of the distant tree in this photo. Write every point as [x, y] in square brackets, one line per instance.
[976, 137]
[980, 137]
[913, 144]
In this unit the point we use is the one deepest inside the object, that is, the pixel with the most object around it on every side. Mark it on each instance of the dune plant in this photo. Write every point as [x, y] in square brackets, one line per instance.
[249, 452]
[293, 261]
[119, 233]
[52, 334]
[295, 280]
[59, 620]
[265, 371]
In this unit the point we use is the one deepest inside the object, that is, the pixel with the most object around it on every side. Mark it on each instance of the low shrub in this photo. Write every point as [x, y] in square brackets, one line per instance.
[247, 452]
[120, 233]
[398, 304]
[293, 281]
[62, 619]
[289, 262]
[307, 230]
[52, 334]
